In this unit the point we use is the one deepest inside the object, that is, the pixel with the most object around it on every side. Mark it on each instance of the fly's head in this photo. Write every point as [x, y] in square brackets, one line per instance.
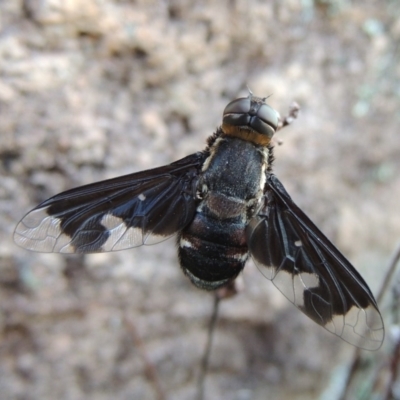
[250, 118]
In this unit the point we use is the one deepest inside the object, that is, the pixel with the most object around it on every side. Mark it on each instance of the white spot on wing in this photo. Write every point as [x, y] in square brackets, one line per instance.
[111, 222]
[292, 286]
[302, 282]
[142, 197]
[121, 237]
[298, 243]
[284, 282]
[126, 238]
[308, 280]
[63, 244]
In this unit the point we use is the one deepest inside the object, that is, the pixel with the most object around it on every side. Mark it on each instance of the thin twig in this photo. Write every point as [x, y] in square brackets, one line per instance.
[389, 275]
[285, 121]
[206, 357]
[292, 115]
[229, 290]
[394, 368]
[357, 353]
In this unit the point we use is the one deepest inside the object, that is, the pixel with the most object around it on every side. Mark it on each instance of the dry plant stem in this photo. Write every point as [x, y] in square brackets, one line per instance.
[394, 369]
[150, 370]
[357, 354]
[389, 276]
[222, 293]
[206, 358]
[292, 115]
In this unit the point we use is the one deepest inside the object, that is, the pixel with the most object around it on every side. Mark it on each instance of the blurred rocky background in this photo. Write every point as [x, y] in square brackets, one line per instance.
[93, 89]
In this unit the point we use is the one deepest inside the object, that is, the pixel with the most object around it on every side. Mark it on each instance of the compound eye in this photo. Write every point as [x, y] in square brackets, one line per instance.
[268, 115]
[238, 106]
[250, 118]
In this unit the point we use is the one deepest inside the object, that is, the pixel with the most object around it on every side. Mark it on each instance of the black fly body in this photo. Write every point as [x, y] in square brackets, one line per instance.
[224, 204]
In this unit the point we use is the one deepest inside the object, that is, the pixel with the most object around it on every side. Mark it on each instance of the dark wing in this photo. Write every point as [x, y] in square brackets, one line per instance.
[311, 272]
[141, 208]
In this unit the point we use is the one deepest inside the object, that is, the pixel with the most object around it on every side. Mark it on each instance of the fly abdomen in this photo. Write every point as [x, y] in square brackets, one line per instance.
[212, 251]
[213, 248]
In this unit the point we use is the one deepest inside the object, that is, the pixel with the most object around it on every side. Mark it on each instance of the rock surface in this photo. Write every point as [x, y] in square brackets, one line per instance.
[92, 89]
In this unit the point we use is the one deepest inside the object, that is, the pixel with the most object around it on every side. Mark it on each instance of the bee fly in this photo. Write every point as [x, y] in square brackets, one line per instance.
[224, 204]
